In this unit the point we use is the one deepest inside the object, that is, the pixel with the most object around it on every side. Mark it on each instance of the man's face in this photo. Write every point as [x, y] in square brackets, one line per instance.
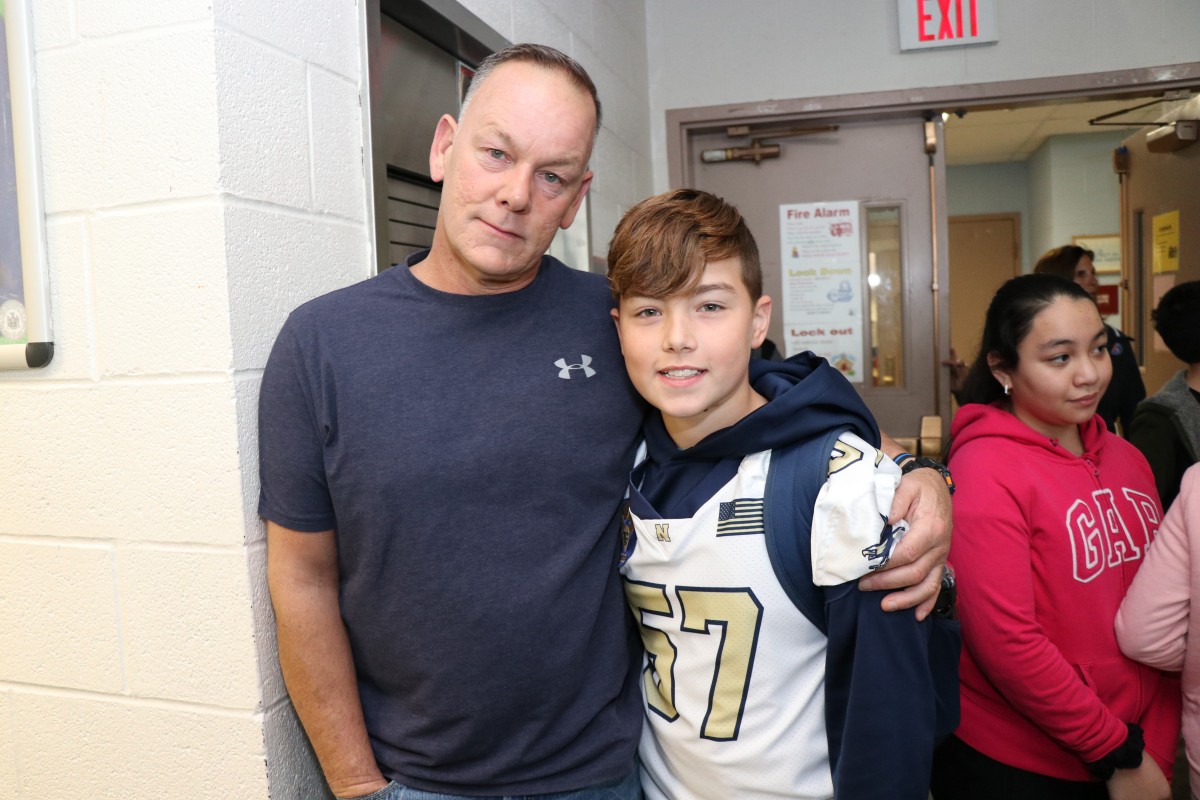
[514, 170]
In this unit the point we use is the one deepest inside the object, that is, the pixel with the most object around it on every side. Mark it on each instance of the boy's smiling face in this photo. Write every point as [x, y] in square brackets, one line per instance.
[689, 354]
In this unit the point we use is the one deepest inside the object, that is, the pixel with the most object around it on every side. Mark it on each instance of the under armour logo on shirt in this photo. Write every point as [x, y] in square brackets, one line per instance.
[564, 369]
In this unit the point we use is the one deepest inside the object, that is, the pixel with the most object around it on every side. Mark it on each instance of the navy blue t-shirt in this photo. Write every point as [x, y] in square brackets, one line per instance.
[471, 453]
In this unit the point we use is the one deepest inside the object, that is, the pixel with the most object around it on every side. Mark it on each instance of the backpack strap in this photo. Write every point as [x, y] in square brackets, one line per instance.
[794, 478]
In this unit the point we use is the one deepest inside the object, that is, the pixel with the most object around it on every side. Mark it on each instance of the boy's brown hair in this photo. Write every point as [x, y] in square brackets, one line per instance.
[661, 245]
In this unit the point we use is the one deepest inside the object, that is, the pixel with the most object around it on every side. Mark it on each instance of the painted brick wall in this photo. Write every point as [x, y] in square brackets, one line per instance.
[1073, 190]
[203, 176]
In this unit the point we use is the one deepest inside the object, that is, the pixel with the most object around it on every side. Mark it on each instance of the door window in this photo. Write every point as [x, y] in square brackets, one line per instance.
[885, 295]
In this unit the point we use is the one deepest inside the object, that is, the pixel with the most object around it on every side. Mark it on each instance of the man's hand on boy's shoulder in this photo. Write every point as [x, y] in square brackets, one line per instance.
[916, 563]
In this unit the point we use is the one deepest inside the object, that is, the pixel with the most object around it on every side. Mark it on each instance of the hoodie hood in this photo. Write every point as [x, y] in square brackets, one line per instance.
[978, 421]
[806, 397]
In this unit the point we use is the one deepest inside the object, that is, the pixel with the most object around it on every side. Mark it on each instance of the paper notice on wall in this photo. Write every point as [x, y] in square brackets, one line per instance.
[821, 266]
[1166, 242]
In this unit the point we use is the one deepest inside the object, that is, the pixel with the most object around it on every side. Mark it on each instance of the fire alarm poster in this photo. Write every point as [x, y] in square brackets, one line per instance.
[821, 263]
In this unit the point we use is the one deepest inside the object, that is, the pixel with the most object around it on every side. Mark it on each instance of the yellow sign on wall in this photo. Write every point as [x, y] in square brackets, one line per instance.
[1166, 242]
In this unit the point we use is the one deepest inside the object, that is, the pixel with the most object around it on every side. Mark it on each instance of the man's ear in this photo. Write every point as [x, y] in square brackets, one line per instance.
[569, 217]
[761, 320]
[443, 139]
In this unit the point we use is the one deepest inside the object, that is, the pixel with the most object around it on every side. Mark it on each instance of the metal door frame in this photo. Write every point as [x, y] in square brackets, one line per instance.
[905, 102]
[447, 25]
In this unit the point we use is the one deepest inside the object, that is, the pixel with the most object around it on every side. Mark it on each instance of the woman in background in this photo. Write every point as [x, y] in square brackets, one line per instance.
[1051, 518]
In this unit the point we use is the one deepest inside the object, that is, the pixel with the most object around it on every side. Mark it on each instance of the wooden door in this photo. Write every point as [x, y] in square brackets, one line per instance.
[985, 251]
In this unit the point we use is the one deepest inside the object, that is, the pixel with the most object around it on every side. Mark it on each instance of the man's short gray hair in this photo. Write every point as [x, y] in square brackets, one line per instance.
[539, 55]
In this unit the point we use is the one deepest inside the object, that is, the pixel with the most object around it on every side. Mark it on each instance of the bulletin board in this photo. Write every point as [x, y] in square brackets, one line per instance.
[821, 253]
[1107, 261]
[25, 340]
[1107, 248]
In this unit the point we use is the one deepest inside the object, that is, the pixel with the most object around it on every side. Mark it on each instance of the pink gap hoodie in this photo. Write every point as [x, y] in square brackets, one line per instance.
[1045, 545]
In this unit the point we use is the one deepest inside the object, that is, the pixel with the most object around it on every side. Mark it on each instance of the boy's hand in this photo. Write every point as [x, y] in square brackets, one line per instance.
[916, 564]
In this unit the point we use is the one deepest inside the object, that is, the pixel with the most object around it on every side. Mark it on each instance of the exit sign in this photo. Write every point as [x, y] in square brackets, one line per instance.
[946, 23]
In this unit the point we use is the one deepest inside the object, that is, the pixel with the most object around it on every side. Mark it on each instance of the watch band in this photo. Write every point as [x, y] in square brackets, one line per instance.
[923, 462]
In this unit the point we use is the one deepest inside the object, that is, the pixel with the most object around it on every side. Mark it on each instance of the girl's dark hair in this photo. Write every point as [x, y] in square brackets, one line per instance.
[1175, 320]
[1009, 320]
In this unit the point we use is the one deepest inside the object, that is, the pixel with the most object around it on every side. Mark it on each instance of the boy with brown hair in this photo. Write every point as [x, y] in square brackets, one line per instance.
[761, 498]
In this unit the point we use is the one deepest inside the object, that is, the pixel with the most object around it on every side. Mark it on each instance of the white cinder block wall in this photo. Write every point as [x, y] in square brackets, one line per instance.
[203, 176]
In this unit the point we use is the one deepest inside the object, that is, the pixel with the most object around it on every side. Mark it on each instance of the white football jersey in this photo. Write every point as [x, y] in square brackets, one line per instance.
[734, 674]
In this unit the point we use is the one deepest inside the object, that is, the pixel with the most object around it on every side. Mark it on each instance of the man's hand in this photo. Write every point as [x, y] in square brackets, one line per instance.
[1147, 782]
[916, 564]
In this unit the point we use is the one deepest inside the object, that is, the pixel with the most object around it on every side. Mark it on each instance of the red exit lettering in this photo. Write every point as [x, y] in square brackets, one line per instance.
[950, 26]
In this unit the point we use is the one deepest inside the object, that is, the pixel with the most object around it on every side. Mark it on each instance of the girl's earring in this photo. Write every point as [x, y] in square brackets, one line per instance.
[1007, 390]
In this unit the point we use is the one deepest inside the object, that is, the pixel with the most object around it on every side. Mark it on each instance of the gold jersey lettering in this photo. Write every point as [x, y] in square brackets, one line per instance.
[843, 456]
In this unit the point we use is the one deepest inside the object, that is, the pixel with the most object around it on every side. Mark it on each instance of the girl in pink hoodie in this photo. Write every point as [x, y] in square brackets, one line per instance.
[1051, 519]
[1155, 624]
